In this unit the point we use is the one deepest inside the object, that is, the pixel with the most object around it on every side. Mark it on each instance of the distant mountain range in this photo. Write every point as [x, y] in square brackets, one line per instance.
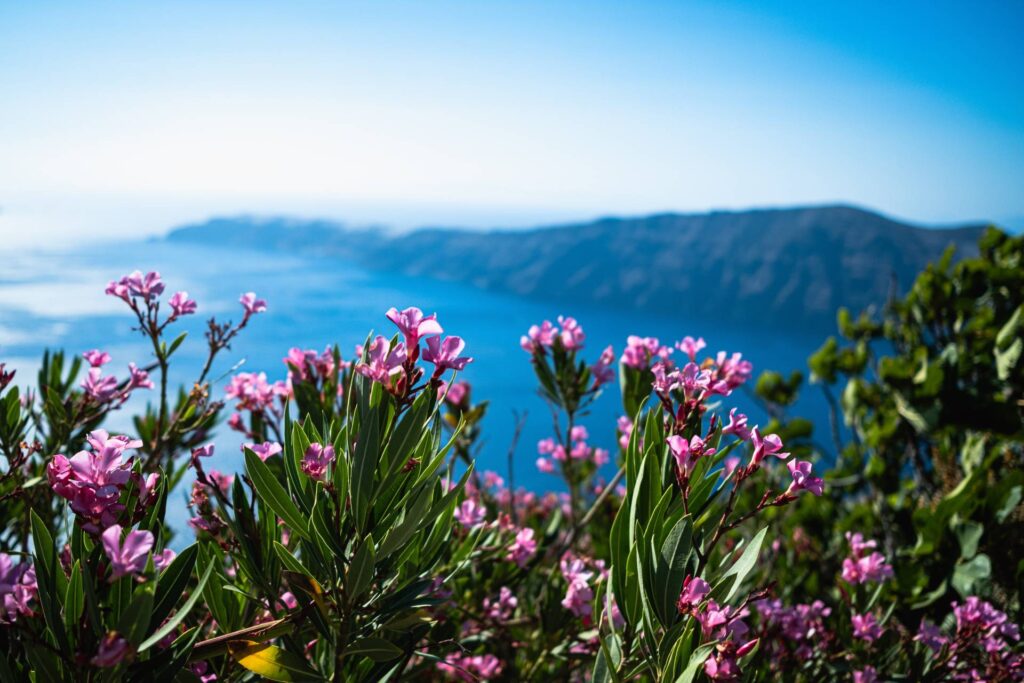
[771, 267]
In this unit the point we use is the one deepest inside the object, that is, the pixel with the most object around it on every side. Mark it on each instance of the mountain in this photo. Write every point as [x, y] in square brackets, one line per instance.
[771, 267]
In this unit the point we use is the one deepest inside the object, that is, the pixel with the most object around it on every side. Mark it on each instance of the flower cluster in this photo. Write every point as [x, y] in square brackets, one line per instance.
[18, 587]
[861, 566]
[93, 481]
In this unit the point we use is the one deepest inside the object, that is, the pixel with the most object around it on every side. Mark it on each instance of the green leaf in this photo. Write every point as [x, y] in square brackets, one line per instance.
[968, 575]
[171, 584]
[47, 571]
[377, 649]
[695, 663]
[74, 600]
[746, 563]
[271, 662]
[675, 558]
[360, 572]
[180, 615]
[274, 495]
[134, 621]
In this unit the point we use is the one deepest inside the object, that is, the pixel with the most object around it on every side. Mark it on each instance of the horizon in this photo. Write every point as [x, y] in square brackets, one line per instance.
[126, 119]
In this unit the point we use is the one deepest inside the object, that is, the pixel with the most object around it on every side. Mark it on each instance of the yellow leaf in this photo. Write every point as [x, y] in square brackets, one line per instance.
[271, 662]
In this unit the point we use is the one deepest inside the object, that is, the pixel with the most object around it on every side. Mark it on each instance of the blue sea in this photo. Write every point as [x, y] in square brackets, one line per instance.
[54, 299]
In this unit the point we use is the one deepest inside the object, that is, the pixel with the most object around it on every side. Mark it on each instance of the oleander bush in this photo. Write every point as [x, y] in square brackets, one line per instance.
[361, 543]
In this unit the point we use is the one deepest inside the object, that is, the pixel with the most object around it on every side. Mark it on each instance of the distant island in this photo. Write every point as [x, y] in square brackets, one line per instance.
[769, 267]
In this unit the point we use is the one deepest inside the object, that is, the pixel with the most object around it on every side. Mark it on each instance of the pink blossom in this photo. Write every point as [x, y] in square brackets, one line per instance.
[445, 354]
[263, 450]
[128, 556]
[695, 589]
[602, 369]
[931, 635]
[18, 587]
[317, 460]
[871, 567]
[686, 453]
[138, 378]
[572, 335]
[383, 362]
[163, 559]
[181, 305]
[92, 482]
[471, 668]
[640, 352]
[732, 371]
[414, 325]
[538, 337]
[691, 347]
[802, 479]
[737, 426]
[600, 456]
[100, 389]
[579, 433]
[96, 358]
[713, 617]
[625, 428]
[579, 595]
[470, 514]
[866, 675]
[522, 548]
[454, 393]
[148, 286]
[866, 627]
[503, 607]
[546, 446]
[693, 381]
[251, 304]
[768, 445]
[112, 651]
[253, 392]
[545, 465]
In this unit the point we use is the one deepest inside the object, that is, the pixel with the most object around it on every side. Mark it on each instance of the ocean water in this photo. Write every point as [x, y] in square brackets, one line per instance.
[54, 299]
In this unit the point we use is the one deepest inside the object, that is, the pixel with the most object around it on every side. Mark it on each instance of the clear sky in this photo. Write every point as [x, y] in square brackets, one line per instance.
[120, 118]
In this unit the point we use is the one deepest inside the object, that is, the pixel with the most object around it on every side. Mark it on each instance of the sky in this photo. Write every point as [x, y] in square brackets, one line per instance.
[125, 119]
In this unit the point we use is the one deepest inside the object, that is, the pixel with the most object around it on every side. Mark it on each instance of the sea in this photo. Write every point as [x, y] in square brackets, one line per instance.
[53, 299]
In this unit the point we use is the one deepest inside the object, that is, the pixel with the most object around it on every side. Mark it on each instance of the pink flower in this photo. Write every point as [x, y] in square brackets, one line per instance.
[454, 393]
[181, 305]
[691, 346]
[129, 556]
[695, 589]
[802, 479]
[263, 450]
[868, 568]
[522, 548]
[546, 446]
[731, 371]
[866, 627]
[693, 381]
[445, 354]
[383, 362]
[713, 617]
[579, 595]
[640, 352]
[572, 334]
[503, 607]
[163, 559]
[737, 425]
[931, 635]
[252, 305]
[579, 433]
[538, 337]
[545, 465]
[625, 428]
[100, 389]
[470, 514]
[18, 587]
[768, 445]
[119, 288]
[317, 460]
[600, 456]
[148, 286]
[866, 675]
[602, 370]
[112, 651]
[138, 378]
[92, 482]
[686, 452]
[96, 358]
[414, 325]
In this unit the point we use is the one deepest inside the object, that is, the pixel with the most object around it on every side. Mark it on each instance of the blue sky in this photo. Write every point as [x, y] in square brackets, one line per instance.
[126, 118]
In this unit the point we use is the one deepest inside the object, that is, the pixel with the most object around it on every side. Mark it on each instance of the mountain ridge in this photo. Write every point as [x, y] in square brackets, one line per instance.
[771, 266]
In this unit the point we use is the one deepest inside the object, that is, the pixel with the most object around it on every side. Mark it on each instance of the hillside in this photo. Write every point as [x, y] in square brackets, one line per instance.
[773, 267]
